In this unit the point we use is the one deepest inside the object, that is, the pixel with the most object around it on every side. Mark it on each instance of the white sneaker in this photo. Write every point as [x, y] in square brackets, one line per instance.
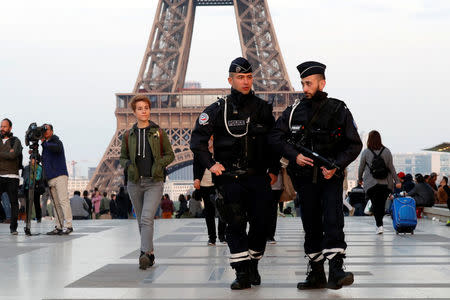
[380, 230]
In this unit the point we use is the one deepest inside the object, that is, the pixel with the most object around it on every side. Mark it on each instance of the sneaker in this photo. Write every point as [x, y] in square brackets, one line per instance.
[380, 230]
[55, 231]
[14, 232]
[271, 241]
[211, 243]
[146, 260]
[67, 231]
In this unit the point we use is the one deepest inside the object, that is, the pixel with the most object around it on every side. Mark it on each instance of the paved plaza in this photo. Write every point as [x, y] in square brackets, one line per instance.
[99, 261]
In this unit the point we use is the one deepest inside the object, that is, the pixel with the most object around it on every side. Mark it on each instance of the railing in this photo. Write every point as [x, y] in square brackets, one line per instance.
[201, 98]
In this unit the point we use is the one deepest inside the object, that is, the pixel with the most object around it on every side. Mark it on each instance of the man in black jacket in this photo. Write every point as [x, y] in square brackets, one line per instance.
[239, 123]
[10, 162]
[325, 126]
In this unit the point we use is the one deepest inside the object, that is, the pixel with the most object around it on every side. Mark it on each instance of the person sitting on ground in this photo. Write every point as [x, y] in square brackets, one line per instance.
[443, 191]
[357, 198]
[88, 201]
[400, 176]
[183, 206]
[80, 209]
[195, 207]
[122, 203]
[167, 207]
[432, 181]
[104, 205]
[408, 183]
[96, 199]
[113, 207]
[422, 193]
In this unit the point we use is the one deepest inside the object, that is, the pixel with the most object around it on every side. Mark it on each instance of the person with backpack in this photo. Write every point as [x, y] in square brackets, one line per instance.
[145, 153]
[10, 163]
[377, 172]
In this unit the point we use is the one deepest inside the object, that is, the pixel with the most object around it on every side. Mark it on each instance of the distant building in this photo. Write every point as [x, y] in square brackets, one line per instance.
[77, 184]
[91, 171]
[192, 85]
[177, 187]
[184, 174]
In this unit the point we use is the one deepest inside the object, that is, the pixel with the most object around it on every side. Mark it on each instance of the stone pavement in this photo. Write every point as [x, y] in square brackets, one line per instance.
[99, 261]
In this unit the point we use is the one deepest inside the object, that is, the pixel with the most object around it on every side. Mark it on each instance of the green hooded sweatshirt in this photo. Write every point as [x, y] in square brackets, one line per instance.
[160, 160]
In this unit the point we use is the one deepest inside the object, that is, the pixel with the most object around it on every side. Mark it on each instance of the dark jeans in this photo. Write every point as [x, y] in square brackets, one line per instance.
[208, 194]
[322, 215]
[272, 212]
[11, 187]
[378, 195]
[37, 204]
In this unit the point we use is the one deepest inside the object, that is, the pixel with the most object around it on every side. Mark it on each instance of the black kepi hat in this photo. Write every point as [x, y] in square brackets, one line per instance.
[310, 68]
[240, 65]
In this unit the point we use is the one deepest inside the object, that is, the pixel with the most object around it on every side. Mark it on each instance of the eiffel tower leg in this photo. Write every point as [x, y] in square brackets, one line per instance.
[260, 45]
[166, 57]
[109, 174]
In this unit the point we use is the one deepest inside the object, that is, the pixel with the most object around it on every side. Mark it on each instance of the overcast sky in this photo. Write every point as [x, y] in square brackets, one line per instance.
[62, 61]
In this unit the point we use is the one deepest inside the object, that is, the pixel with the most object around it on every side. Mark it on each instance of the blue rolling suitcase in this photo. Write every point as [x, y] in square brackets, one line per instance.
[404, 216]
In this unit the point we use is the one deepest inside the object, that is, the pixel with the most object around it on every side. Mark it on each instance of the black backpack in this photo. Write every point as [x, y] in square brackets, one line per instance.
[378, 167]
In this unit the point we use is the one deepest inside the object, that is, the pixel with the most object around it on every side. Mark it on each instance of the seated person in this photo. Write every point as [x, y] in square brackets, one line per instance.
[80, 209]
[422, 193]
[357, 199]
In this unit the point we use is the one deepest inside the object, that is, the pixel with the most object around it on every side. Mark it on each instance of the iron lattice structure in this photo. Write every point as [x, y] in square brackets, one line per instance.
[162, 77]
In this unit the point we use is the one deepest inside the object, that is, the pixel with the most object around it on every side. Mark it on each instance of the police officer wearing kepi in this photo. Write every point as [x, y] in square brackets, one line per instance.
[325, 126]
[240, 123]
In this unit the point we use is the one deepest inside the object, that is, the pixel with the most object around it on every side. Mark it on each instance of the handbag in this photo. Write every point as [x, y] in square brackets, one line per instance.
[288, 193]
[368, 208]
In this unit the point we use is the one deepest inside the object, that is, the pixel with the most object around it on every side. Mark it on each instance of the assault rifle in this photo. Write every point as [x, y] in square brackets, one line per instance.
[315, 156]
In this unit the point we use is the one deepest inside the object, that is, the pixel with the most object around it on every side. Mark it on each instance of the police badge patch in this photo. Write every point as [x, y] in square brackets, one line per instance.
[203, 119]
[234, 123]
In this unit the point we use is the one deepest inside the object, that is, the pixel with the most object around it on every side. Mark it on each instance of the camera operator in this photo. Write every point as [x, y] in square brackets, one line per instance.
[54, 163]
[10, 163]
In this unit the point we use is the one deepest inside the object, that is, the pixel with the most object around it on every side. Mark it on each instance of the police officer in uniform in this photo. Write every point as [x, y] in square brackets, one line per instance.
[325, 126]
[239, 123]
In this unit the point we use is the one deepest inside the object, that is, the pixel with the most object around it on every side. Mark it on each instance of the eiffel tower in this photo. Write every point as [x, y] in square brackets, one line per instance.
[162, 76]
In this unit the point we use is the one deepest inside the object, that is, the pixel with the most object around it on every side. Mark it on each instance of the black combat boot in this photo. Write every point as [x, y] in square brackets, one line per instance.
[254, 276]
[337, 277]
[242, 280]
[315, 278]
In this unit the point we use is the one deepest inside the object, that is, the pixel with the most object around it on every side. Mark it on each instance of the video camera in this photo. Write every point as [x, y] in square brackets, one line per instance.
[34, 133]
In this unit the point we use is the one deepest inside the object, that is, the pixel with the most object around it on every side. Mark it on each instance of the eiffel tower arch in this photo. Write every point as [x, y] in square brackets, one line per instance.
[162, 76]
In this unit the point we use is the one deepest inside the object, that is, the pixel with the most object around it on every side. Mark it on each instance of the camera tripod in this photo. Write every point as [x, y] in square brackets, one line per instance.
[34, 155]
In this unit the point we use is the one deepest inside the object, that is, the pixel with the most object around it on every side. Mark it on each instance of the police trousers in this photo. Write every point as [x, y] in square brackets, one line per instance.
[322, 215]
[253, 194]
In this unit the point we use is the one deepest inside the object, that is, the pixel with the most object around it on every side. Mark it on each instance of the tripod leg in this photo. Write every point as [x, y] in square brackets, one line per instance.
[58, 210]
